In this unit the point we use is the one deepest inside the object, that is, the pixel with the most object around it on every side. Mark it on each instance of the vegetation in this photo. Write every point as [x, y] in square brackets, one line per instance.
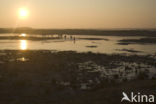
[138, 41]
[133, 32]
[51, 77]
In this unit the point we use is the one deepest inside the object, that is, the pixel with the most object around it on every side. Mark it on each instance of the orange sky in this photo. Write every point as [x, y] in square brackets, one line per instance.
[79, 13]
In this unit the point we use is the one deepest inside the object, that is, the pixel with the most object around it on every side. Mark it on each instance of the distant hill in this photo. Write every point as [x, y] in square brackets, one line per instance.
[136, 32]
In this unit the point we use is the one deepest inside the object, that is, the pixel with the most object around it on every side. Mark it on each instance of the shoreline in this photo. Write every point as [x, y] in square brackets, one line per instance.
[133, 32]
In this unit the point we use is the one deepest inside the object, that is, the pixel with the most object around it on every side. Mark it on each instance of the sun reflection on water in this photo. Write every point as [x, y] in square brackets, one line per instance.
[23, 59]
[23, 44]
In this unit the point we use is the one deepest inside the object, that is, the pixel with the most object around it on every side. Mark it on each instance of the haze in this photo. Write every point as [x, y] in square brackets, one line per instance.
[97, 14]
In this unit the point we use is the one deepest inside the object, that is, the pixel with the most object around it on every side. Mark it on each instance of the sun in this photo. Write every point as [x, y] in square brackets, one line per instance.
[23, 13]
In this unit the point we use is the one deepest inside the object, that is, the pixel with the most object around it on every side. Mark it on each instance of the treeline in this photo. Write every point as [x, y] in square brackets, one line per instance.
[81, 32]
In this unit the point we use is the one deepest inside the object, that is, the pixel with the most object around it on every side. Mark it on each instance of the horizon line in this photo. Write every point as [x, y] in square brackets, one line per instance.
[80, 28]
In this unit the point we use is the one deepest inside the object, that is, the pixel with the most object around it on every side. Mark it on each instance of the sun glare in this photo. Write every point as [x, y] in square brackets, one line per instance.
[23, 13]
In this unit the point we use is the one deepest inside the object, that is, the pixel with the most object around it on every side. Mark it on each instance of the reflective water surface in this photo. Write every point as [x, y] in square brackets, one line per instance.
[23, 44]
[80, 43]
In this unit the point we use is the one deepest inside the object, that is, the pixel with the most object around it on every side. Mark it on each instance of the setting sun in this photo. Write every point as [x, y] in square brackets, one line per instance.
[77, 51]
[23, 13]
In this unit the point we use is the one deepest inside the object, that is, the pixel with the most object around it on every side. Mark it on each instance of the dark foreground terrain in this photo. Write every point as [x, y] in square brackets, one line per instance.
[50, 77]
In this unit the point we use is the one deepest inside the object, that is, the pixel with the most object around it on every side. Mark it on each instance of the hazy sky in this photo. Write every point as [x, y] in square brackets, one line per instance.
[79, 13]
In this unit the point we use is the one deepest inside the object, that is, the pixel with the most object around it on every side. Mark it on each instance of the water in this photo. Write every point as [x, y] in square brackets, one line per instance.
[83, 43]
